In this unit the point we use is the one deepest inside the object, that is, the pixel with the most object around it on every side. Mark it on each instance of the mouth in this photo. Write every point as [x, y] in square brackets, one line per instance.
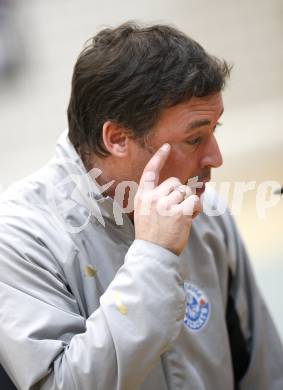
[200, 191]
[203, 180]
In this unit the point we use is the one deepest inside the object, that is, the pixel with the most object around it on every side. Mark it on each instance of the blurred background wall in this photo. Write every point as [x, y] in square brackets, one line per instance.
[40, 40]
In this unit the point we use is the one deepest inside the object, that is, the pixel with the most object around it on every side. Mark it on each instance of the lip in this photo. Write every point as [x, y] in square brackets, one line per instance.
[204, 180]
[200, 191]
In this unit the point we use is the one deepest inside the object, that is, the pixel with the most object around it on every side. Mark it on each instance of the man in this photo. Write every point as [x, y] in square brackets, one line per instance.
[159, 297]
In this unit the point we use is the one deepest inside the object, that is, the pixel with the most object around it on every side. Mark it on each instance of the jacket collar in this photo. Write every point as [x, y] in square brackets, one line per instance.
[68, 158]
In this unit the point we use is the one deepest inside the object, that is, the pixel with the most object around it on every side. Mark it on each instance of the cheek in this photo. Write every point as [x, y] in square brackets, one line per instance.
[180, 164]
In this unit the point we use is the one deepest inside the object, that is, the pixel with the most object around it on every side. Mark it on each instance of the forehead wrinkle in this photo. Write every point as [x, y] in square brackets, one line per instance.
[197, 123]
[183, 116]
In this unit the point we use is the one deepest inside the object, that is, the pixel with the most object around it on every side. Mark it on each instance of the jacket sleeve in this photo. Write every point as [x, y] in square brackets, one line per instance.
[256, 347]
[46, 344]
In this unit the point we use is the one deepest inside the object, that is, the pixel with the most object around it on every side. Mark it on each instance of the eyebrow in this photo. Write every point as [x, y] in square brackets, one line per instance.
[200, 123]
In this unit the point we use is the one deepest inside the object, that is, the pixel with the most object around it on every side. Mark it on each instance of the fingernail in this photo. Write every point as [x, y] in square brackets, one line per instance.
[165, 147]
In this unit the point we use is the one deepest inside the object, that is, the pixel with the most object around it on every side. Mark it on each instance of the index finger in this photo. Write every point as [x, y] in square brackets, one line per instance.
[153, 167]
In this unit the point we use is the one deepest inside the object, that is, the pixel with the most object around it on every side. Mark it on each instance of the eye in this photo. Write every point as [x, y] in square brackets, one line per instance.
[194, 141]
[197, 140]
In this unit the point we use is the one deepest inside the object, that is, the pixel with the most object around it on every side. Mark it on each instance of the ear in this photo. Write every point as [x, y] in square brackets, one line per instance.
[115, 138]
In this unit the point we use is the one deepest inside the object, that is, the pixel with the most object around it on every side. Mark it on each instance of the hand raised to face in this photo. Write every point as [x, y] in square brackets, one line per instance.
[164, 213]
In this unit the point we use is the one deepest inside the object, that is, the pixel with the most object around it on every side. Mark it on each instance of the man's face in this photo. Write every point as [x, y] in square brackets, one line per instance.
[189, 129]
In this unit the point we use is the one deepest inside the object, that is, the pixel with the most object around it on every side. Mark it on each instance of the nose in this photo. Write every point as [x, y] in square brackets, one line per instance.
[212, 156]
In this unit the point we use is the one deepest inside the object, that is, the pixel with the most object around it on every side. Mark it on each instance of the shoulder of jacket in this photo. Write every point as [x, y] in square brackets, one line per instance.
[27, 221]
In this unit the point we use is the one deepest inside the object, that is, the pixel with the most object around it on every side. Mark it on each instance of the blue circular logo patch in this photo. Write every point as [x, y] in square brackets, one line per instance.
[197, 307]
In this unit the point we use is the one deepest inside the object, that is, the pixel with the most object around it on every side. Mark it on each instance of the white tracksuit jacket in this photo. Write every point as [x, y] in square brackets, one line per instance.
[87, 307]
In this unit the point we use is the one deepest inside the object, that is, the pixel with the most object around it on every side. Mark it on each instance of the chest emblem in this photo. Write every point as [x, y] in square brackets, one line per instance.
[197, 307]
